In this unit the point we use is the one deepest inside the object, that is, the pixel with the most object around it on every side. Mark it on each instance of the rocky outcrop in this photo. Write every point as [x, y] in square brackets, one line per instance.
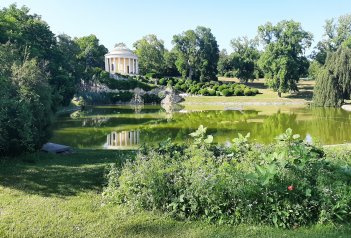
[171, 97]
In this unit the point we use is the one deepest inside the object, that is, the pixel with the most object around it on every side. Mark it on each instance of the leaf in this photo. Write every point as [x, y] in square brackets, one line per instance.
[181, 198]
[209, 139]
[296, 136]
[288, 132]
[308, 192]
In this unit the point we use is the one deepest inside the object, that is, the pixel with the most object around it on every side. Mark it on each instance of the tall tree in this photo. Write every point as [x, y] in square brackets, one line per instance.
[170, 58]
[197, 54]
[244, 58]
[335, 33]
[150, 51]
[91, 53]
[224, 63]
[333, 83]
[283, 60]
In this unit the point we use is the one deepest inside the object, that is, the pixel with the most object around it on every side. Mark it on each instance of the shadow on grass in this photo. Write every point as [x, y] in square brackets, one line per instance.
[59, 175]
[308, 95]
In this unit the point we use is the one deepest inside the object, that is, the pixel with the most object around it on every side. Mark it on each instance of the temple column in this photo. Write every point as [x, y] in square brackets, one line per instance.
[130, 138]
[138, 137]
[130, 67]
[120, 139]
[125, 66]
[119, 64]
[125, 138]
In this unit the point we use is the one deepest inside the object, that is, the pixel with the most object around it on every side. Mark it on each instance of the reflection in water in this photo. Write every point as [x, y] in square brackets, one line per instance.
[90, 129]
[123, 139]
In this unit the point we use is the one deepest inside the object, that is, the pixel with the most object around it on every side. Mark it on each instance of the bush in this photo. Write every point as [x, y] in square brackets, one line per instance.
[151, 98]
[211, 92]
[126, 84]
[238, 91]
[288, 184]
[248, 92]
[226, 92]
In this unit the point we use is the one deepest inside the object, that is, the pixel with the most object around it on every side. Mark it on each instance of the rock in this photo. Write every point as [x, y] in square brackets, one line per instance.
[56, 148]
[346, 107]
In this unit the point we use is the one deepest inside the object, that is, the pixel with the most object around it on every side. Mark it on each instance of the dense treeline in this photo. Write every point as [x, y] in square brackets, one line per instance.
[39, 72]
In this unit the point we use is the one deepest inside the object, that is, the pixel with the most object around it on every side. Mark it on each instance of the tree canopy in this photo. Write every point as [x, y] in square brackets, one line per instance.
[283, 60]
[151, 52]
[197, 54]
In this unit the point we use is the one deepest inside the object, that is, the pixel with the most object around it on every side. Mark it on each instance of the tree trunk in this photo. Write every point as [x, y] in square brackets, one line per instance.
[279, 94]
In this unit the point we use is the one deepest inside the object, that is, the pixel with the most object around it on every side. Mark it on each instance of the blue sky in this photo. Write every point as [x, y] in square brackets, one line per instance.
[126, 21]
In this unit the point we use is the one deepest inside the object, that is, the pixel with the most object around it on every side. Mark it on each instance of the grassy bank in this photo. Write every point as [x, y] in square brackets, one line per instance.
[267, 97]
[44, 195]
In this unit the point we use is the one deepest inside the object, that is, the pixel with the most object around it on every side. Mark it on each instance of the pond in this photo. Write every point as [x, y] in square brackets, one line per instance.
[123, 127]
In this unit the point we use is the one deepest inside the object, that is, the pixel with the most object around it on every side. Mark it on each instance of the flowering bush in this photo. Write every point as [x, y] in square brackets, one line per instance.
[287, 184]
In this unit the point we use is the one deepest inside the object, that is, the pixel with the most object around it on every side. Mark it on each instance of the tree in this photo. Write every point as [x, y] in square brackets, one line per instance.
[333, 83]
[283, 61]
[335, 33]
[150, 52]
[25, 103]
[224, 63]
[170, 68]
[197, 54]
[91, 53]
[244, 58]
[65, 69]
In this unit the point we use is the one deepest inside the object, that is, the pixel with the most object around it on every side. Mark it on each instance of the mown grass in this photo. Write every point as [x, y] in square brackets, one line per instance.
[45, 195]
[266, 96]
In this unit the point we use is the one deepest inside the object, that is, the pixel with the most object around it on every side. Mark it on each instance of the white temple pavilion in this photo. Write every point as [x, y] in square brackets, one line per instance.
[121, 60]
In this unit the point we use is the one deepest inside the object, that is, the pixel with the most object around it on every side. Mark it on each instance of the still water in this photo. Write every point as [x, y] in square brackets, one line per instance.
[118, 127]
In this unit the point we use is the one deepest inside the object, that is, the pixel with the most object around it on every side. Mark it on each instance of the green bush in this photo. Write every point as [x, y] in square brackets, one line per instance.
[226, 92]
[238, 91]
[248, 92]
[151, 98]
[211, 92]
[287, 184]
[126, 84]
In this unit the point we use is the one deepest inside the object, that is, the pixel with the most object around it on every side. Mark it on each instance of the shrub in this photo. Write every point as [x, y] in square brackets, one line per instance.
[211, 92]
[287, 184]
[238, 91]
[226, 92]
[248, 92]
[151, 98]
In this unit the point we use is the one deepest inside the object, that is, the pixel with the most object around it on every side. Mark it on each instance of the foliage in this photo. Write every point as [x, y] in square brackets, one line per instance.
[333, 83]
[336, 34]
[283, 61]
[25, 107]
[197, 54]
[286, 184]
[244, 59]
[42, 200]
[150, 52]
[212, 88]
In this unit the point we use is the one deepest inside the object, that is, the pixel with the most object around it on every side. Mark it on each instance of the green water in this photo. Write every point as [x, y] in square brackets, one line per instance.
[153, 124]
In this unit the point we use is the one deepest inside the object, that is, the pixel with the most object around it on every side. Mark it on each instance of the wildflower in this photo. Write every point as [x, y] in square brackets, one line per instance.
[290, 188]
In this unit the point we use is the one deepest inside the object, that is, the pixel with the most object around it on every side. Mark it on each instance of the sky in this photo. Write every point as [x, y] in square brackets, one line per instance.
[114, 21]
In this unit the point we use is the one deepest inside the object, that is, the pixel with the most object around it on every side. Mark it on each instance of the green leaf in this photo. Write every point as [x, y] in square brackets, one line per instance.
[209, 139]
[296, 136]
[308, 192]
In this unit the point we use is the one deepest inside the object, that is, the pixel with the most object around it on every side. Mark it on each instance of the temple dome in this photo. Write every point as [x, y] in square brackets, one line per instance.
[121, 49]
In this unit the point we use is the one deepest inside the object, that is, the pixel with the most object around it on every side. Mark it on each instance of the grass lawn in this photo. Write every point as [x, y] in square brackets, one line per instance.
[45, 195]
[266, 96]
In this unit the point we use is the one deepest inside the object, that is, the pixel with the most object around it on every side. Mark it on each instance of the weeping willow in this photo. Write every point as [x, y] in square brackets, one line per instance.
[333, 83]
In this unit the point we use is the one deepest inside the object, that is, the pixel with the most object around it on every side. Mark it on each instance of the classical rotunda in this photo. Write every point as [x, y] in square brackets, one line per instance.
[121, 60]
